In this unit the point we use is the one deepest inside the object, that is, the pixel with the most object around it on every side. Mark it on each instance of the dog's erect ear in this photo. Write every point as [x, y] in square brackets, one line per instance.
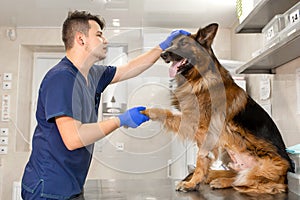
[205, 36]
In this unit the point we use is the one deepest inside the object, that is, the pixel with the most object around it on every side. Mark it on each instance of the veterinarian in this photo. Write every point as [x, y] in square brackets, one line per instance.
[68, 101]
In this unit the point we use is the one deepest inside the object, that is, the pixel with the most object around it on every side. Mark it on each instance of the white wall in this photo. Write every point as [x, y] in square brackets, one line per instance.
[285, 102]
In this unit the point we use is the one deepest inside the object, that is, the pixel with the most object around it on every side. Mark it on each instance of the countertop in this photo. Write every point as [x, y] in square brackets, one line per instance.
[164, 189]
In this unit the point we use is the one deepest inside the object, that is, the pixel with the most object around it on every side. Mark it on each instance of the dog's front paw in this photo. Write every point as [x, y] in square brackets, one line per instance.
[185, 186]
[156, 113]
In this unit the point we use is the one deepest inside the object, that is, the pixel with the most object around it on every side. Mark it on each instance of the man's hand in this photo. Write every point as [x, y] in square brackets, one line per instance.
[133, 117]
[167, 43]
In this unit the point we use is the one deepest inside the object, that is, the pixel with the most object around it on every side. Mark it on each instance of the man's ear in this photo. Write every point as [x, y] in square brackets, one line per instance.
[80, 38]
[205, 36]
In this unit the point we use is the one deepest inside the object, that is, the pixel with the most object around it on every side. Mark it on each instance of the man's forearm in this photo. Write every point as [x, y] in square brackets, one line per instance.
[137, 65]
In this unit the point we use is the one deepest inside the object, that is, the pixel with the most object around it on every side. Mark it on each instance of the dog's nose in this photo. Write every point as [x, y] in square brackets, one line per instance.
[164, 55]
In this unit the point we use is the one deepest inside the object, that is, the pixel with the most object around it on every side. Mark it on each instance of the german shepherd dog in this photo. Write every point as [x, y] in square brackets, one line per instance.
[217, 114]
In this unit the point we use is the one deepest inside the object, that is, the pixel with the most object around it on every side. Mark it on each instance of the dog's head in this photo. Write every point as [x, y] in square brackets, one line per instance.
[192, 56]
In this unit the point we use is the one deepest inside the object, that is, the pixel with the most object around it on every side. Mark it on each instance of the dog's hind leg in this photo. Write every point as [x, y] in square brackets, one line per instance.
[262, 188]
[221, 183]
[219, 174]
[267, 177]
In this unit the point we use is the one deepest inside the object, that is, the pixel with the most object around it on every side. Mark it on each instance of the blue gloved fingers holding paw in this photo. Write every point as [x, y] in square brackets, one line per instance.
[167, 43]
[132, 117]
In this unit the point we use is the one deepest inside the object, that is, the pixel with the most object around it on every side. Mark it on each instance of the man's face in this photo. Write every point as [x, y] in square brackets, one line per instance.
[96, 42]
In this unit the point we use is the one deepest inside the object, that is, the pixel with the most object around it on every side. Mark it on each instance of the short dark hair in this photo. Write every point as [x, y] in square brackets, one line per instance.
[78, 21]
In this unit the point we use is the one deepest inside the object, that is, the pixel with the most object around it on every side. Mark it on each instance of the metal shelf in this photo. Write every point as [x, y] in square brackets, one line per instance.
[279, 54]
[263, 12]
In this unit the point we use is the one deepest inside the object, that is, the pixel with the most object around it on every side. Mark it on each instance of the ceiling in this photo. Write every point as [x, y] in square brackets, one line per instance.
[131, 13]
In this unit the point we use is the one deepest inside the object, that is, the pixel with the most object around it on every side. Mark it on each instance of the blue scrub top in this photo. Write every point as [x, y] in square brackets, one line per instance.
[59, 172]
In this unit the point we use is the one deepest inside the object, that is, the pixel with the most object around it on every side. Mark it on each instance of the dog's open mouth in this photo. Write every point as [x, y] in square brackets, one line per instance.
[180, 65]
[176, 66]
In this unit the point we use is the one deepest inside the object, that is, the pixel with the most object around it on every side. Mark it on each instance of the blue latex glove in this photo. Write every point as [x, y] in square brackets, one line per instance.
[167, 43]
[132, 117]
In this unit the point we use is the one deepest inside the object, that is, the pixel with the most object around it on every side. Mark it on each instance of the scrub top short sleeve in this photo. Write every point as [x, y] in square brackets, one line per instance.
[52, 169]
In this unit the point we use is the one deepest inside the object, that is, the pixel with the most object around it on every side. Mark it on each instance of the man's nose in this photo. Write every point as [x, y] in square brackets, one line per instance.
[105, 41]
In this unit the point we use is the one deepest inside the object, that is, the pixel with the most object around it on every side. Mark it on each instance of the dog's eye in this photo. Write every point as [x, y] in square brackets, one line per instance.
[183, 43]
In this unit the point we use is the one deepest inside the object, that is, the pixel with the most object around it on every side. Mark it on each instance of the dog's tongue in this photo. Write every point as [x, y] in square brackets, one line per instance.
[174, 67]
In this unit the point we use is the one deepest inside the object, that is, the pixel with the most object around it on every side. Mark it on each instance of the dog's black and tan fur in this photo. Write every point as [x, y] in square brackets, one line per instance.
[216, 113]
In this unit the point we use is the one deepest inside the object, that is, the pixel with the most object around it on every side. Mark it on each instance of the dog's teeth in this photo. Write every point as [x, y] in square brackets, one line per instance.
[184, 61]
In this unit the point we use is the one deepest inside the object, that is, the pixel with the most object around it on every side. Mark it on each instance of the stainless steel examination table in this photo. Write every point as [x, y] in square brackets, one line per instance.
[164, 189]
